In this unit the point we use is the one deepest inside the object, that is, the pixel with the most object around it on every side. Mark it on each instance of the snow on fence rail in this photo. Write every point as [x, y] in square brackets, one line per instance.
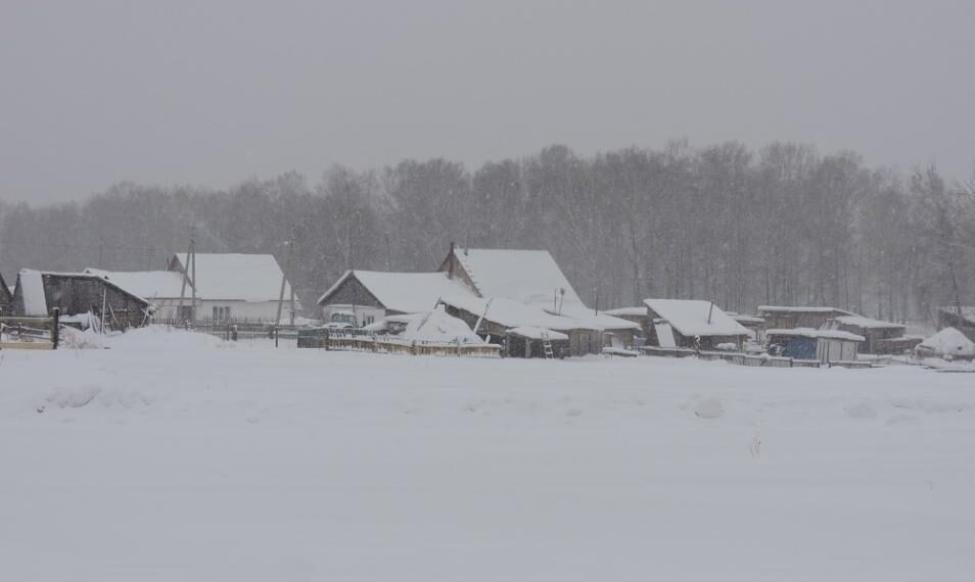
[358, 340]
[742, 359]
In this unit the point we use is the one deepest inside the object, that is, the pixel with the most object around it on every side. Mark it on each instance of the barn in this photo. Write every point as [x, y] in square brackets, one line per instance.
[495, 317]
[38, 294]
[533, 278]
[363, 297]
[688, 323]
[827, 346]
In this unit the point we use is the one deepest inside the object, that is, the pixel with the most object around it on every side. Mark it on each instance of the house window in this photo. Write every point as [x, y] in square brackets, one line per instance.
[221, 313]
[368, 319]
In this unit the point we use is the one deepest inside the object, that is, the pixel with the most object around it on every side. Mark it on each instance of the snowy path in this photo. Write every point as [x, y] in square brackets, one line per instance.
[170, 457]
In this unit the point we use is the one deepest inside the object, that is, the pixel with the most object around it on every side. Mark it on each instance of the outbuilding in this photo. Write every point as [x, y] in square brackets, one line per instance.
[38, 294]
[827, 346]
[692, 323]
[794, 316]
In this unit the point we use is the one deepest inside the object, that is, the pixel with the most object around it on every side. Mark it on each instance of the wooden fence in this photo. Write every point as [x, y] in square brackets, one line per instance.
[361, 341]
[753, 360]
[30, 333]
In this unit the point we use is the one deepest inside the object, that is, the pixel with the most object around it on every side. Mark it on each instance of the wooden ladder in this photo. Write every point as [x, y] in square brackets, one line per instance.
[547, 345]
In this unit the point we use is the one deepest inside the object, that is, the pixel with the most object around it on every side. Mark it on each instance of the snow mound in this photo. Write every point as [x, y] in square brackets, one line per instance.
[709, 408]
[91, 394]
[74, 339]
[948, 342]
[437, 326]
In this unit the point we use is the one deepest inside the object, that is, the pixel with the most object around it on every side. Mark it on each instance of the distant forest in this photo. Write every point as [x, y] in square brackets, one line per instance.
[782, 225]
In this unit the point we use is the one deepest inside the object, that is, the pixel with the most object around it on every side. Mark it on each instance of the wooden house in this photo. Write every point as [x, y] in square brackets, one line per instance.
[363, 297]
[533, 278]
[791, 317]
[880, 337]
[38, 294]
[962, 319]
[827, 346]
[6, 297]
[690, 323]
[635, 314]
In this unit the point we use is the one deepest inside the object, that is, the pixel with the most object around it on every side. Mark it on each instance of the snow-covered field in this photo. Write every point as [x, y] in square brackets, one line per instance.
[172, 456]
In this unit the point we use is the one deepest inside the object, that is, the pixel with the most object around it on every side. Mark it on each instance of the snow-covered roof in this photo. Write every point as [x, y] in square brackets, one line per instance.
[437, 326]
[510, 314]
[528, 276]
[816, 334]
[538, 333]
[404, 292]
[743, 319]
[948, 341]
[592, 319]
[636, 311]
[237, 277]
[691, 317]
[867, 323]
[799, 309]
[32, 292]
[146, 284]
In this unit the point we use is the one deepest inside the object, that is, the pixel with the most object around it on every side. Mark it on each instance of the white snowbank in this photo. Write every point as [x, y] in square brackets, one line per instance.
[169, 458]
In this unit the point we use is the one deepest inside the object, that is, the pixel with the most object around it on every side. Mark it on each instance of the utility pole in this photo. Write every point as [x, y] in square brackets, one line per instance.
[284, 280]
[190, 253]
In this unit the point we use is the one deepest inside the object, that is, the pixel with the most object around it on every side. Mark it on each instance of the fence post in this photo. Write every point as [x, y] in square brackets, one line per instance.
[56, 328]
[276, 334]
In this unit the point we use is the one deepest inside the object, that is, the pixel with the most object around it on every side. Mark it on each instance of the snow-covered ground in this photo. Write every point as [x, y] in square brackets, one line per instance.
[173, 456]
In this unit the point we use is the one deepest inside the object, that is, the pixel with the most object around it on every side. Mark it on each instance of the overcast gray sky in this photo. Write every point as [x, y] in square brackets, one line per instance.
[212, 93]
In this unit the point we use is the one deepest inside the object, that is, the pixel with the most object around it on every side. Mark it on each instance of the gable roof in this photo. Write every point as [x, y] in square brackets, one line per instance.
[403, 292]
[867, 322]
[147, 284]
[237, 277]
[690, 317]
[511, 314]
[808, 332]
[6, 295]
[762, 309]
[528, 276]
[30, 284]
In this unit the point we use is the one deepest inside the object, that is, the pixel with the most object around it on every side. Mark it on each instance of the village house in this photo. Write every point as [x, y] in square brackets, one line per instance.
[533, 278]
[361, 298]
[78, 296]
[690, 323]
[635, 314]
[239, 288]
[791, 317]
[827, 346]
[962, 319]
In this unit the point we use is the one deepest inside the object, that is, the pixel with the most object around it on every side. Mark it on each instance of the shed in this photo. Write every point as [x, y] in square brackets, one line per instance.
[529, 342]
[38, 293]
[876, 333]
[678, 322]
[826, 346]
[794, 316]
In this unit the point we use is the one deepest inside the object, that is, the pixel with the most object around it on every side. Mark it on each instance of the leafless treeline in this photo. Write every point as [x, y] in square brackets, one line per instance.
[783, 225]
